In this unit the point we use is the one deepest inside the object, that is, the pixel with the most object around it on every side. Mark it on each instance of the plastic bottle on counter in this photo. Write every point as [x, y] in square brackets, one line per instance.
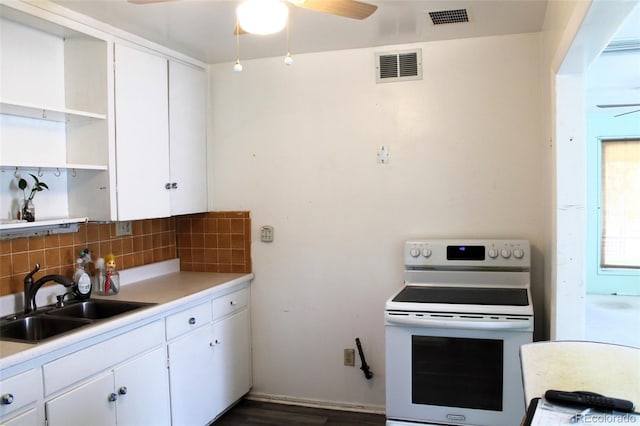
[82, 280]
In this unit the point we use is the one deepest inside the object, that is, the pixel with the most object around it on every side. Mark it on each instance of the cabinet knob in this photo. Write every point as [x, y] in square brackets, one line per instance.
[167, 185]
[113, 397]
[192, 320]
[174, 185]
[122, 390]
[233, 303]
[7, 399]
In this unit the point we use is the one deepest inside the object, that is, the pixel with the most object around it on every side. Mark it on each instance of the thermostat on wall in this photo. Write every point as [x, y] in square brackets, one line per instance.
[266, 234]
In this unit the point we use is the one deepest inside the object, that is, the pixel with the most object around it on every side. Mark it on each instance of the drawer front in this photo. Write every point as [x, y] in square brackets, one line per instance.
[230, 303]
[19, 391]
[187, 320]
[70, 369]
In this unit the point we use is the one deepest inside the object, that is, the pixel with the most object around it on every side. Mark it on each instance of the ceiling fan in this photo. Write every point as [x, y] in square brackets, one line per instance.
[346, 8]
[621, 106]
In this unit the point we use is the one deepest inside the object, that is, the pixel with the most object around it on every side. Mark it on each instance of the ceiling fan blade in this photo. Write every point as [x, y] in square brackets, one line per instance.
[617, 105]
[346, 8]
[627, 113]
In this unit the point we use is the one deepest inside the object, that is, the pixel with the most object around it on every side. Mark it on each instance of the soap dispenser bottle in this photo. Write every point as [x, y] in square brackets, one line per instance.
[82, 281]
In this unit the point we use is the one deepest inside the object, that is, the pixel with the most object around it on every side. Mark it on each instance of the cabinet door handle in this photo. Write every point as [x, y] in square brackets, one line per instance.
[122, 390]
[233, 303]
[7, 399]
[113, 397]
[192, 320]
[167, 185]
[174, 185]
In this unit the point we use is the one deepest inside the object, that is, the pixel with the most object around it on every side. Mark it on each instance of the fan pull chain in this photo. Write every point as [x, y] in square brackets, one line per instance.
[288, 60]
[238, 66]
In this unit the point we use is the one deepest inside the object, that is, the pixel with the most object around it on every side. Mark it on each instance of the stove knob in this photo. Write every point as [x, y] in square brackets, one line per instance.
[414, 252]
[426, 252]
[518, 253]
[506, 253]
[493, 253]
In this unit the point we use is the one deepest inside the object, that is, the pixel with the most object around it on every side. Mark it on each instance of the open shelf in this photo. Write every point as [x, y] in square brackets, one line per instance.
[43, 112]
[63, 166]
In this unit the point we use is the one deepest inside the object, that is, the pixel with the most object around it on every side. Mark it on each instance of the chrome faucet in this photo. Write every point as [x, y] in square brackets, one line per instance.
[31, 287]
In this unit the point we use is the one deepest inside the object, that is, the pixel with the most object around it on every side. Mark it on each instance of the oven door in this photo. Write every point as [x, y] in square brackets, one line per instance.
[449, 374]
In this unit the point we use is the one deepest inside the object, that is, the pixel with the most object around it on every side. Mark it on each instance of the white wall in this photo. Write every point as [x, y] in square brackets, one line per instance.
[297, 147]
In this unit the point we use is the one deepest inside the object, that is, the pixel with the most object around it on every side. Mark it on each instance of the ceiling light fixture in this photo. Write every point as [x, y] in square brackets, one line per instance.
[262, 16]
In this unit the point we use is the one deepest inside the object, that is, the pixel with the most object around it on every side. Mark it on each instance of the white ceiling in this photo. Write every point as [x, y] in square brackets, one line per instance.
[203, 29]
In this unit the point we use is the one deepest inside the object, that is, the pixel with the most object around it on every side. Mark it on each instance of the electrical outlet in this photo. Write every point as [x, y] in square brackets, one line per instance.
[350, 357]
[123, 228]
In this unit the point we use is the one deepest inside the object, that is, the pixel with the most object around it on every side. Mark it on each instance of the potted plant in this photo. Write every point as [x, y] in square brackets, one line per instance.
[28, 210]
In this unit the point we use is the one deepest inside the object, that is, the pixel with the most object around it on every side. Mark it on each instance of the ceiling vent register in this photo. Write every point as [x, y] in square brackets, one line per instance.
[403, 65]
[449, 16]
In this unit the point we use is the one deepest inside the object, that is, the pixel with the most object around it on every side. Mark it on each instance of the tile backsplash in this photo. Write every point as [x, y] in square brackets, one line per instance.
[212, 242]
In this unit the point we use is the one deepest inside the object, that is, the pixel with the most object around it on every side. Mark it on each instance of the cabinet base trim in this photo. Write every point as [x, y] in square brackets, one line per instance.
[314, 403]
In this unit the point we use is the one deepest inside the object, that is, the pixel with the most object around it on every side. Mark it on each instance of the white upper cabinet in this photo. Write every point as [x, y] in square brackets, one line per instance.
[117, 130]
[187, 138]
[160, 136]
[142, 134]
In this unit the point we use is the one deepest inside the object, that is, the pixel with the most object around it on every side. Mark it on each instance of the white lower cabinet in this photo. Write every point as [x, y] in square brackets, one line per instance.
[191, 373]
[184, 368]
[232, 359]
[142, 390]
[87, 404]
[28, 418]
[210, 367]
[134, 394]
[21, 399]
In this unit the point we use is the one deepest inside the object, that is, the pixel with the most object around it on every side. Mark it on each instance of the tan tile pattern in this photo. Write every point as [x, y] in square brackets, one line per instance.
[215, 242]
[152, 240]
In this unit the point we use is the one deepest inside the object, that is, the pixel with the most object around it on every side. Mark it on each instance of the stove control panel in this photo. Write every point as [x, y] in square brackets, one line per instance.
[467, 253]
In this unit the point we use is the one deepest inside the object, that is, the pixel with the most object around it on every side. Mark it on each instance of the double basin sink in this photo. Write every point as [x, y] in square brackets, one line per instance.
[52, 321]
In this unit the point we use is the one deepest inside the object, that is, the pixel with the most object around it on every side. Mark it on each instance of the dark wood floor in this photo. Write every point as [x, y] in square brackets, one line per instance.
[248, 412]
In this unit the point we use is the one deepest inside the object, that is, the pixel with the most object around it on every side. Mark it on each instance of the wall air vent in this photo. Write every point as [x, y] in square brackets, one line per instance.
[403, 65]
[449, 16]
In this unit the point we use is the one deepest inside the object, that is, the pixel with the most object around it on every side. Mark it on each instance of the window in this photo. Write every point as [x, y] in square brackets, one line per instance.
[620, 239]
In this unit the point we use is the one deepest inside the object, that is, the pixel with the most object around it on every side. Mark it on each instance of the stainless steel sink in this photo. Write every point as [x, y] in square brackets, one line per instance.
[50, 321]
[37, 328]
[97, 309]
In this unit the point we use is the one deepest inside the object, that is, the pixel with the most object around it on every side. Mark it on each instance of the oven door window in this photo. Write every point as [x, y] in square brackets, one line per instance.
[457, 372]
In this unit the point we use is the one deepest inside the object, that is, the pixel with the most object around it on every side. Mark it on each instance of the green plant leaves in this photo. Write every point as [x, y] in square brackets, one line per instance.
[37, 186]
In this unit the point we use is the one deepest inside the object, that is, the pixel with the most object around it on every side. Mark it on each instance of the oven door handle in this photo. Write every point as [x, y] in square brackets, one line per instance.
[458, 323]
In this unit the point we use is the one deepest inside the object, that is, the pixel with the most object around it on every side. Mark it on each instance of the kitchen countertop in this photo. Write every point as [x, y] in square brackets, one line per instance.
[167, 291]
